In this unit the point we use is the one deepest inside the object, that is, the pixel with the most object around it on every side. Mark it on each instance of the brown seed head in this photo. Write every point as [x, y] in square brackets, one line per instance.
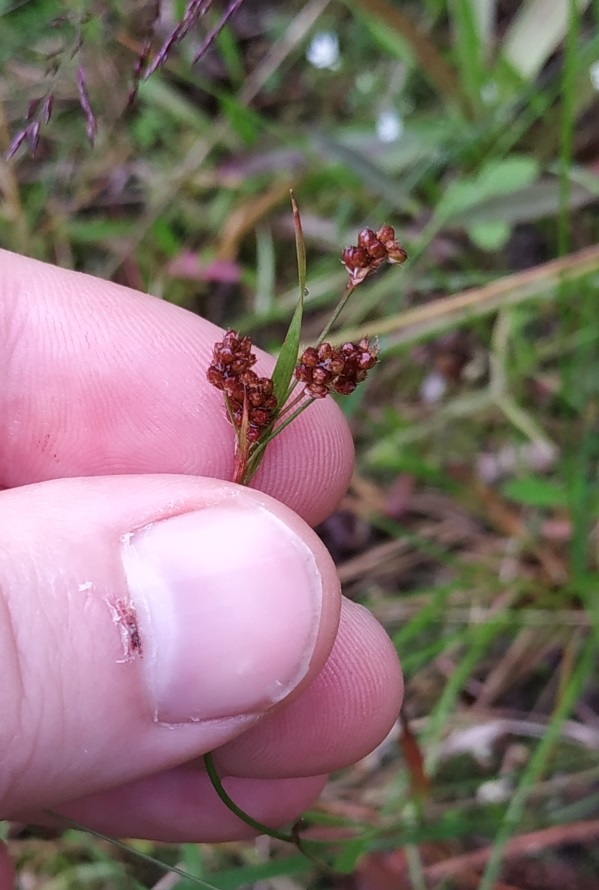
[357, 262]
[373, 249]
[386, 234]
[249, 396]
[338, 368]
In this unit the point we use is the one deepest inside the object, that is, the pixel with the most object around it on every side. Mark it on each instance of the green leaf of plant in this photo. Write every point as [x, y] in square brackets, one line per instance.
[289, 350]
[490, 236]
[535, 492]
[495, 178]
[300, 248]
[242, 120]
[288, 355]
[347, 858]
[287, 359]
[244, 875]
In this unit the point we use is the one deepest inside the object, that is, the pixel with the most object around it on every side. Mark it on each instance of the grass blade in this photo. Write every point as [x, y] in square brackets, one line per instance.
[289, 350]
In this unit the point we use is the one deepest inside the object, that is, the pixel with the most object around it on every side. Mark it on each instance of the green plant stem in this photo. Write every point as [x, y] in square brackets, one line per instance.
[163, 866]
[293, 837]
[241, 814]
[538, 762]
[254, 461]
[288, 406]
[350, 288]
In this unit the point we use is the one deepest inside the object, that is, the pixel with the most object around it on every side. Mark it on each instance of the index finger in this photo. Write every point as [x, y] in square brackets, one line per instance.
[97, 379]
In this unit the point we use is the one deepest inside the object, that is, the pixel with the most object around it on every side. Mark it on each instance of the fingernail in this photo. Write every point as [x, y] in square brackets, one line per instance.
[228, 603]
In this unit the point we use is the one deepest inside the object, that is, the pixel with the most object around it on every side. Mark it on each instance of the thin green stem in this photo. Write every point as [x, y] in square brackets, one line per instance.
[292, 417]
[241, 814]
[350, 288]
[292, 838]
[567, 124]
[256, 457]
[538, 762]
[288, 406]
[163, 866]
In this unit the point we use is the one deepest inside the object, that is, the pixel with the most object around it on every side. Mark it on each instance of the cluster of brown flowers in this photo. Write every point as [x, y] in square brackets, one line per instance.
[250, 398]
[322, 369]
[372, 250]
[337, 368]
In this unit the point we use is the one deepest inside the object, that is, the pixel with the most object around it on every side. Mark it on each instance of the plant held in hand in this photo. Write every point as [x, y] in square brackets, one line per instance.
[260, 407]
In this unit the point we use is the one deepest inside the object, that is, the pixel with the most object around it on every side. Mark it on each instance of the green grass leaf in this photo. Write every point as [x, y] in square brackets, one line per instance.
[534, 491]
[490, 236]
[289, 350]
[495, 178]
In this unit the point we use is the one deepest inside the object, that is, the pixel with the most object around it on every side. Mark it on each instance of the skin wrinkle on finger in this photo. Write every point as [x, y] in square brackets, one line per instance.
[90, 387]
[105, 380]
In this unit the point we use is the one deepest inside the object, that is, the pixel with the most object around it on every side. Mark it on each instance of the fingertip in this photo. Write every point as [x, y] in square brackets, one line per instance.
[347, 710]
[100, 379]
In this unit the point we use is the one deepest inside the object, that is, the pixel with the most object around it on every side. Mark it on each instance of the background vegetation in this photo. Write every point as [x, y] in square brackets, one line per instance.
[470, 528]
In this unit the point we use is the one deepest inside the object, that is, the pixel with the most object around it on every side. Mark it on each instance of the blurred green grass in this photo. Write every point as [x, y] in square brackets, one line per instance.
[471, 525]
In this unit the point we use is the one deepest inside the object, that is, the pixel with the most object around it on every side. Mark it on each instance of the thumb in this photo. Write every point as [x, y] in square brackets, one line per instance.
[145, 620]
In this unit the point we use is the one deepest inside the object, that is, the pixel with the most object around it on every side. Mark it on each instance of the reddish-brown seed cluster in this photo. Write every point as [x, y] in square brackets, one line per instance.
[338, 368]
[247, 394]
[373, 249]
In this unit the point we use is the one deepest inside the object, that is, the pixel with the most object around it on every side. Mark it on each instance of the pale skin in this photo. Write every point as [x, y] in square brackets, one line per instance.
[104, 406]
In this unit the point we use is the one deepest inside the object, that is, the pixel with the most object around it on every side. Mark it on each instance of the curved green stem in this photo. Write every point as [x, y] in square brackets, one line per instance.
[293, 837]
[241, 814]
[254, 461]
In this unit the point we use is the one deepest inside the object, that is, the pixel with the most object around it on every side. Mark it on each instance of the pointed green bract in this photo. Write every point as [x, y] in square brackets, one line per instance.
[287, 359]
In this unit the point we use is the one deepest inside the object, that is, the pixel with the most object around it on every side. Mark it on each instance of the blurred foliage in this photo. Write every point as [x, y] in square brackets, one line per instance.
[470, 529]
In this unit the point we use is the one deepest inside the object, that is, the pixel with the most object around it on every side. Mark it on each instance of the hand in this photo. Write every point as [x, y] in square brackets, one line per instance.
[112, 448]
